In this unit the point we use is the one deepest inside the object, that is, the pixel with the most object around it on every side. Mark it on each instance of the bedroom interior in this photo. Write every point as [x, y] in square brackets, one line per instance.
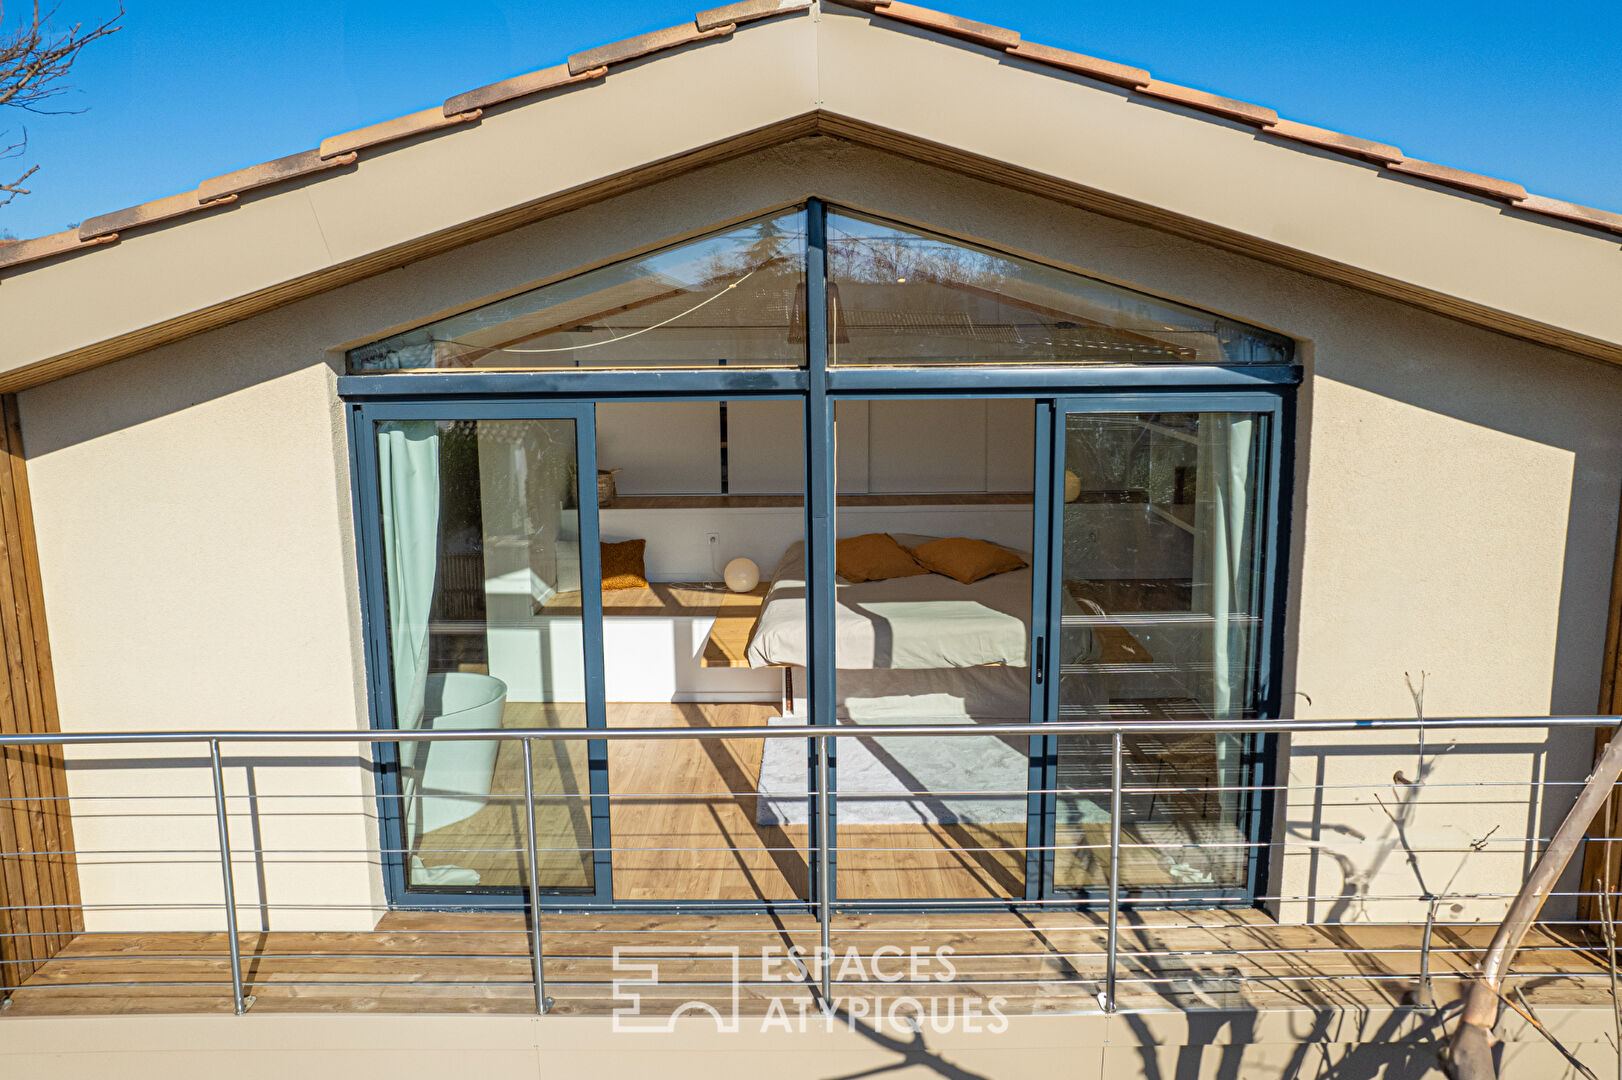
[965, 526]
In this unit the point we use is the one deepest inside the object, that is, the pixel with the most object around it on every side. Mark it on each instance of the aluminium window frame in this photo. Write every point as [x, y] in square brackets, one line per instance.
[820, 385]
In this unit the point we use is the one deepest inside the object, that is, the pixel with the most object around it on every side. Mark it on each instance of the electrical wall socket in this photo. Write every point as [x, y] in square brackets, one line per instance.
[713, 538]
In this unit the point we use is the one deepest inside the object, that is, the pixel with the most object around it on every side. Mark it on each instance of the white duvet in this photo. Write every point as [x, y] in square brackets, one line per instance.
[928, 621]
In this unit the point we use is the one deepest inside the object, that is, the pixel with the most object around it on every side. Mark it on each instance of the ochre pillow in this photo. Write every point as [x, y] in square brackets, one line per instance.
[623, 566]
[874, 557]
[966, 560]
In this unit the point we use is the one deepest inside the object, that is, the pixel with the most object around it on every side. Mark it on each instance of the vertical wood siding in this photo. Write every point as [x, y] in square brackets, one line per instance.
[39, 880]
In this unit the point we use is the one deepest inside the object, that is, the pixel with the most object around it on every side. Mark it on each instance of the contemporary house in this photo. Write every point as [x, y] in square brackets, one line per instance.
[823, 476]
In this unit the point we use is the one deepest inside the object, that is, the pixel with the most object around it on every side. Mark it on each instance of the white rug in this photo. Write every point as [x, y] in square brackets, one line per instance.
[900, 780]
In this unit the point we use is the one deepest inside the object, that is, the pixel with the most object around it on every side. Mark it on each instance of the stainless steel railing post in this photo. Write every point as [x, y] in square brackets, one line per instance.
[1112, 943]
[226, 878]
[824, 876]
[542, 1002]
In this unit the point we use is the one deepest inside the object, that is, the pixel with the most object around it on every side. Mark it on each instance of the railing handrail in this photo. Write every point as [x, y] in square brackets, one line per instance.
[843, 730]
[1551, 862]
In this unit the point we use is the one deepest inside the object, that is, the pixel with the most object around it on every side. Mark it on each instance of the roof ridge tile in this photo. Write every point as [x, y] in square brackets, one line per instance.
[170, 206]
[1569, 211]
[44, 247]
[745, 12]
[1107, 70]
[535, 82]
[618, 52]
[401, 127]
[998, 37]
[269, 172]
[1367, 149]
[1208, 102]
[1459, 178]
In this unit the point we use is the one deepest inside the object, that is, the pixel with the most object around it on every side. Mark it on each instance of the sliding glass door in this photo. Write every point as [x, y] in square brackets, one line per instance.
[487, 607]
[1162, 534]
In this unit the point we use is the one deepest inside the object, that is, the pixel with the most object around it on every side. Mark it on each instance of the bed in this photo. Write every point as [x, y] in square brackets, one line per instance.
[923, 649]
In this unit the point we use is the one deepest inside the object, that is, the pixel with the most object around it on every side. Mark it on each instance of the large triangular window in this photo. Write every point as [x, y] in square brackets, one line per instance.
[896, 296]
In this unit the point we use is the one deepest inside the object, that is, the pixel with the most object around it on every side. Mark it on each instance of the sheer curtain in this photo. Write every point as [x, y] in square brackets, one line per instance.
[1224, 575]
[1223, 551]
[408, 468]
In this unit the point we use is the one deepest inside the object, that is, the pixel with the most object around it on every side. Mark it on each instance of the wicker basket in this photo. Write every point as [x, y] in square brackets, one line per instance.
[605, 487]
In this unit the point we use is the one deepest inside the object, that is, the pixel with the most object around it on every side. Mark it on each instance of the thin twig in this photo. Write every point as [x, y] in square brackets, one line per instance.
[1537, 1025]
[1608, 927]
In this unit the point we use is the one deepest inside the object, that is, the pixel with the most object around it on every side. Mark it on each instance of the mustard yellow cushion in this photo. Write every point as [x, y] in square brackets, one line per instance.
[623, 566]
[963, 559]
[874, 557]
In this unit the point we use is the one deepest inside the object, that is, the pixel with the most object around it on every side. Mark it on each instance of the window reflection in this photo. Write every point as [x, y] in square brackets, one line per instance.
[725, 299]
[904, 297]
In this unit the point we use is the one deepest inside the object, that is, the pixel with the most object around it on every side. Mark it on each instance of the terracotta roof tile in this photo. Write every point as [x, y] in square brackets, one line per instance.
[43, 247]
[620, 51]
[1381, 153]
[285, 168]
[747, 11]
[1106, 70]
[1582, 215]
[535, 82]
[340, 150]
[1212, 103]
[148, 212]
[1469, 181]
[401, 127]
[981, 33]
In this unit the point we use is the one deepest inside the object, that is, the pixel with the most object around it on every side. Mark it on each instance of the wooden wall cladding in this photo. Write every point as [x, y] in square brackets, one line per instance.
[39, 879]
[1602, 859]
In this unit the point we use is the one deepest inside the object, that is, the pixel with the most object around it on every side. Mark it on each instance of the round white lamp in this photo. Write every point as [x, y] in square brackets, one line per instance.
[741, 575]
[1072, 486]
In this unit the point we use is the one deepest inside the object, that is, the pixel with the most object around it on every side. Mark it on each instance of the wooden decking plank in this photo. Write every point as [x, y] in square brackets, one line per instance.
[1008, 956]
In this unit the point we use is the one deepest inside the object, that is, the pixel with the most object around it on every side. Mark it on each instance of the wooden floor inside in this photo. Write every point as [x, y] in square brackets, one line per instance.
[685, 827]
[684, 823]
[1050, 962]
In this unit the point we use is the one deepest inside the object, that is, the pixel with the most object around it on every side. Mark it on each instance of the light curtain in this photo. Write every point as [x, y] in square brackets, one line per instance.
[408, 468]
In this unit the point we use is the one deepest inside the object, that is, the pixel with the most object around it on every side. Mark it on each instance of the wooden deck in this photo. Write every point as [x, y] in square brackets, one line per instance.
[1049, 962]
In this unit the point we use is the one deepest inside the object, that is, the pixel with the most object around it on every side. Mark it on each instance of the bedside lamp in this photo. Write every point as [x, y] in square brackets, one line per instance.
[741, 575]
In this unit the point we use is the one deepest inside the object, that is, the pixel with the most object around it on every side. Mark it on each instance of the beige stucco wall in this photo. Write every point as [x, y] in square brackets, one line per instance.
[192, 513]
[1455, 511]
[1376, 1041]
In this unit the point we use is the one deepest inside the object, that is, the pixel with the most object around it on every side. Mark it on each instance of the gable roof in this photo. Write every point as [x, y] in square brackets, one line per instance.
[339, 151]
[877, 120]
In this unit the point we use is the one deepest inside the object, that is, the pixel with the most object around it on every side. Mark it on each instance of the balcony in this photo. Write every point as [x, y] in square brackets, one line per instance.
[248, 838]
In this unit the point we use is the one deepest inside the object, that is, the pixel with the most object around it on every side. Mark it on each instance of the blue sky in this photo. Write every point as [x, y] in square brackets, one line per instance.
[191, 89]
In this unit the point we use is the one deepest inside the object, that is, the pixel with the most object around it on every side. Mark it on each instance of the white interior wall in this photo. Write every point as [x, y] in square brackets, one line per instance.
[926, 446]
[661, 447]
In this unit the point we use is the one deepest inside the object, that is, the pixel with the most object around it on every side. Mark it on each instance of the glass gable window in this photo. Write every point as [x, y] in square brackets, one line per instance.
[724, 299]
[896, 296]
[902, 297]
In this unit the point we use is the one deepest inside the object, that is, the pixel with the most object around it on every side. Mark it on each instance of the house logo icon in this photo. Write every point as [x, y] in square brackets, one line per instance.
[638, 974]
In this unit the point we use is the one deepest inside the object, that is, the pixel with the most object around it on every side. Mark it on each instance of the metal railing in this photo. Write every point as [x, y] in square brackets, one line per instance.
[1118, 906]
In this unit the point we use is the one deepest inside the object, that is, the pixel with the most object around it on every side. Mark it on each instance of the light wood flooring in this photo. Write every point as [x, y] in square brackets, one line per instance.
[684, 823]
[1046, 962]
[684, 827]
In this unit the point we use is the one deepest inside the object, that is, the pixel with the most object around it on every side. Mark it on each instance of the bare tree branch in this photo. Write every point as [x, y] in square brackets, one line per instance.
[35, 61]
